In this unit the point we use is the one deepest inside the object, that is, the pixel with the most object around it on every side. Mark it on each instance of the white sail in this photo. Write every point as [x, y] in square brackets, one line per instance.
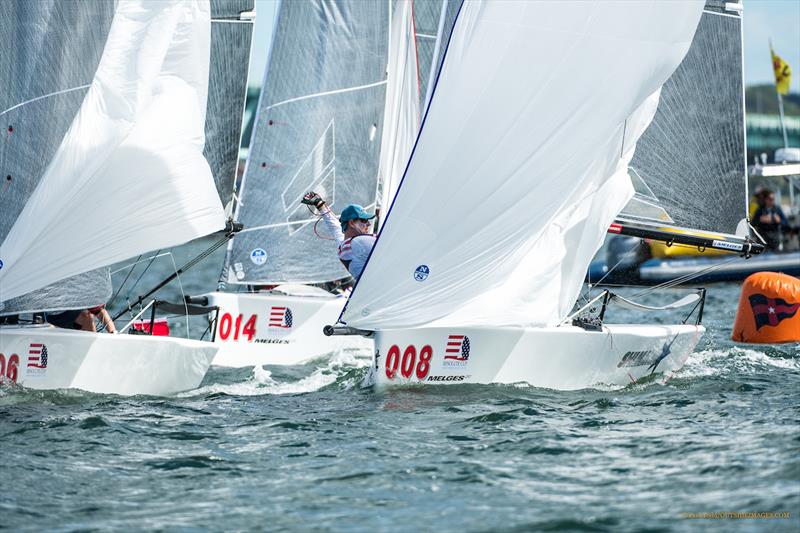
[401, 113]
[129, 175]
[520, 163]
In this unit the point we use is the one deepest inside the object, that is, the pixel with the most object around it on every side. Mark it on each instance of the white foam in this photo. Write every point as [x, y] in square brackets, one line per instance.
[262, 383]
[735, 359]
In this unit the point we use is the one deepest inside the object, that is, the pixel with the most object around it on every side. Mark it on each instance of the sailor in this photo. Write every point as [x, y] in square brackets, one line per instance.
[770, 221]
[82, 319]
[351, 232]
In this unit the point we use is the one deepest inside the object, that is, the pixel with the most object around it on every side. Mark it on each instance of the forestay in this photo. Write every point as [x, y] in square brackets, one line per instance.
[520, 164]
[318, 126]
[129, 175]
[50, 53]
[689, 169]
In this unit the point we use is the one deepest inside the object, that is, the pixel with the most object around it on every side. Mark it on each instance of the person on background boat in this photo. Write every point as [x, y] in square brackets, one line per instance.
[770, 221]
[756, 201]
[82, 319]
[351, 232]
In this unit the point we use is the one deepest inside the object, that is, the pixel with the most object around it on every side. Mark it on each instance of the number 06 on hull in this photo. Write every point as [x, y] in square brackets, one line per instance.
[564, 357]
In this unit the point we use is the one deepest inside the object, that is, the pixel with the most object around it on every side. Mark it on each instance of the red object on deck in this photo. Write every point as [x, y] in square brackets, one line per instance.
[160, 327]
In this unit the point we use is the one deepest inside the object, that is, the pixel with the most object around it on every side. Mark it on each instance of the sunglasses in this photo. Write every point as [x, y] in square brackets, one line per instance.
[362, 220]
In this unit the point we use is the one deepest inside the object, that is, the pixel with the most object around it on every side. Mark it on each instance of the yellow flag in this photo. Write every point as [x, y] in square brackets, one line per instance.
[783, 74]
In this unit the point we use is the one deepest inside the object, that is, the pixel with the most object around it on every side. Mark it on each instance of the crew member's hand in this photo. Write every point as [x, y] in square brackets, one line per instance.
[314, 199]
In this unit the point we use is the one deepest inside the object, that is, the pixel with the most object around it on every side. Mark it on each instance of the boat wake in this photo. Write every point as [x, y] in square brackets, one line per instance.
[740, 361]
[344, 369]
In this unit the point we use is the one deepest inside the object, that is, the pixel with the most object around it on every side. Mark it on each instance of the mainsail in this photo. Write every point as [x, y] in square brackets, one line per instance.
[231, 35]
[518, 168]
[129, 175]
[318, 126]
[427, 16]
[689, 169]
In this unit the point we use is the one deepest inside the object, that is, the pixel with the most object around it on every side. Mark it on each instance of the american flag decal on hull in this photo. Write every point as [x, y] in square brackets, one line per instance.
[457, 348]
[280, 317]
[37, 356]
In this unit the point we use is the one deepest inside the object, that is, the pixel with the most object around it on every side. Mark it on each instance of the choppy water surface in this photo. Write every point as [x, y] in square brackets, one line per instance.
[305, 448]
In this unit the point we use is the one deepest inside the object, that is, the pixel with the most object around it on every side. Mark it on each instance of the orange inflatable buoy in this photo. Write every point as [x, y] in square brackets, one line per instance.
[769, 309]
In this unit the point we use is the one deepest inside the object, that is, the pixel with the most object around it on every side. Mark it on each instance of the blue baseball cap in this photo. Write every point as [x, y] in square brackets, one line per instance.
[353, 212]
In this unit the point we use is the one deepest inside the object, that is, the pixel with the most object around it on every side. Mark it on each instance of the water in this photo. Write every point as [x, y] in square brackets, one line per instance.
[305, 448]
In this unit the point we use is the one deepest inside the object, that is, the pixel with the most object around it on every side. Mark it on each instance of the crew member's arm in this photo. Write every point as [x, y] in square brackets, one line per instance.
[105, 318]
[328, 218]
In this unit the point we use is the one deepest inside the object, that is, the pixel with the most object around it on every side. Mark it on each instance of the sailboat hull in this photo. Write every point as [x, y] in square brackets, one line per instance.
[42, 357]
[256, 329]
[564, 358]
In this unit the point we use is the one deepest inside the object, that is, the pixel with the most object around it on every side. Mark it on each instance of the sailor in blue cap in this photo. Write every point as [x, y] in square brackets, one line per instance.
[351, 232]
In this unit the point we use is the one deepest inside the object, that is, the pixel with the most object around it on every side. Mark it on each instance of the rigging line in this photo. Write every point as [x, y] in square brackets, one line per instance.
[56, 93]
[114, 297]
[136, 283]
[624, 256]
[681, 279]
[137, 262]
[183, 295]
[326, 93]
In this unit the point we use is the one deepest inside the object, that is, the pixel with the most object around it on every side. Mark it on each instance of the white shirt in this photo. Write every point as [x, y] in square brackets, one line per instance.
[353, 252]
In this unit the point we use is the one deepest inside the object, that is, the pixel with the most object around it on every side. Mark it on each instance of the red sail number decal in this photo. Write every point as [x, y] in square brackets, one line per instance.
[409, 364]
[250, 328]
[424, 365]
[9, 372]
[392, 360]
[227, 325]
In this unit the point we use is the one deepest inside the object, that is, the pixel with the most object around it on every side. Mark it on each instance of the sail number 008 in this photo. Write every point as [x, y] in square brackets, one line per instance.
[408, 363]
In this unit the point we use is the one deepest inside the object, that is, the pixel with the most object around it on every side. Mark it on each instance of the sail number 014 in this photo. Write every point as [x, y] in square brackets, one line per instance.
[408, 363]
[228, 326]
[9, 371]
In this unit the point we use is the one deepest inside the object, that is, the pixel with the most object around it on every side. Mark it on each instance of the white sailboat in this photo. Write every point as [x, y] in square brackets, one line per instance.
[520, 166]
[333, 117]
[114, 110]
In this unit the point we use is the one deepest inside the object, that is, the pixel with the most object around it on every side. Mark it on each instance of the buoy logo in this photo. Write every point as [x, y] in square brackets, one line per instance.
[422, 272]
[771, 311]
[258, 256]
[1, 264]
